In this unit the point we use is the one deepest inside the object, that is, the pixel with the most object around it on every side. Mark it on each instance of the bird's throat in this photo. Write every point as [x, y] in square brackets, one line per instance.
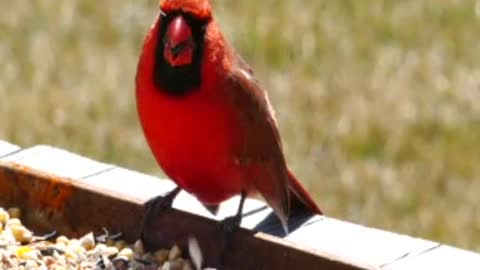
[179, 80]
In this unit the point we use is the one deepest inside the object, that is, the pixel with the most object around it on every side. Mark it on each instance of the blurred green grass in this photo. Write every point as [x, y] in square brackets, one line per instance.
[377, 100]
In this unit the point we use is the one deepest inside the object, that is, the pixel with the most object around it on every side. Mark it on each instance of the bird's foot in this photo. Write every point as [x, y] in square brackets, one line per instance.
[154, 207]
[230, 224]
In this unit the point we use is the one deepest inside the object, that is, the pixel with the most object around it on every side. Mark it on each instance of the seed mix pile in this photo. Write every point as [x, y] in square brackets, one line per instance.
[20, 249]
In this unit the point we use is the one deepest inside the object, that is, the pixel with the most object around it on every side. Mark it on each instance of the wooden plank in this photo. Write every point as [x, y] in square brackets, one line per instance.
[441, 258]
[138, 186]
[357, 244]
[247, 250]
[24, 153]
[7, 148]
[230, 207]
[63, 204]
[188, 203]
[142, 187]
[74, 207]
[79, 195]
[57, 161]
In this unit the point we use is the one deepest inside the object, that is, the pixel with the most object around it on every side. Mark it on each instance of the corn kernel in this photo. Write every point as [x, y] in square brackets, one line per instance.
[21, 234]
[127, 253]
[4, 216]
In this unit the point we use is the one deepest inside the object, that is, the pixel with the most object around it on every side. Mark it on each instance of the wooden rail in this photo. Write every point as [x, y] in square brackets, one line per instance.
[74, 195]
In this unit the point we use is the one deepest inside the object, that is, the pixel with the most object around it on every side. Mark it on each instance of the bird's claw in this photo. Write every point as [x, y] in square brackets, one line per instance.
[160, 203]
[156, 205]
[230, 224]
[153, 208]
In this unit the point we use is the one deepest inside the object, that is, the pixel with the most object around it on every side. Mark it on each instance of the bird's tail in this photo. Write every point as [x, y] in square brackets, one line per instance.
[299, 197]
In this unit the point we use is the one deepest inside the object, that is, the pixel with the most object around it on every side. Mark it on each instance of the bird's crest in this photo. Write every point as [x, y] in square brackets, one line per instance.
[201, 9]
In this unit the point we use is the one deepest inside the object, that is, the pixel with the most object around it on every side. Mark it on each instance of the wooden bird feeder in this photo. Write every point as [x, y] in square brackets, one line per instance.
[75, 195]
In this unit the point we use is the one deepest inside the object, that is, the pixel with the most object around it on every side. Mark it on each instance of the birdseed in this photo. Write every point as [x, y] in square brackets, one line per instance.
[20, 249]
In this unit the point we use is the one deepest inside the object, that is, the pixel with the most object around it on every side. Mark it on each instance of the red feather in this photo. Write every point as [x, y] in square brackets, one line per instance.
[201, 9]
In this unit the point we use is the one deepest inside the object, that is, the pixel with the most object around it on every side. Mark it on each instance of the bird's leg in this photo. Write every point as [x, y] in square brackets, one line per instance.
[159, 203]
[155, 206]
[230, 224]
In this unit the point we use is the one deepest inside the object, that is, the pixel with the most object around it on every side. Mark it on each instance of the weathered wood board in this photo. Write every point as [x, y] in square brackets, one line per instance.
[76, 195]
[7, 148]
[442, 257]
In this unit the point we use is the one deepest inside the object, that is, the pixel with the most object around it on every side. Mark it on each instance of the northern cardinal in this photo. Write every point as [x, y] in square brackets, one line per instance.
[207, 121]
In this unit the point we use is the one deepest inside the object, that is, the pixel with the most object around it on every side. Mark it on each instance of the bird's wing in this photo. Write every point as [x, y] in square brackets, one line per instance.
[260, 150]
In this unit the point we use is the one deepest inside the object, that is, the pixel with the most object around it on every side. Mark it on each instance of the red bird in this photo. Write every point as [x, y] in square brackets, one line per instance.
[206, 118]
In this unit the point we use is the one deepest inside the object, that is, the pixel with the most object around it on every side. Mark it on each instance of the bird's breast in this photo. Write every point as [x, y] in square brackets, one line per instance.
[192, 138]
